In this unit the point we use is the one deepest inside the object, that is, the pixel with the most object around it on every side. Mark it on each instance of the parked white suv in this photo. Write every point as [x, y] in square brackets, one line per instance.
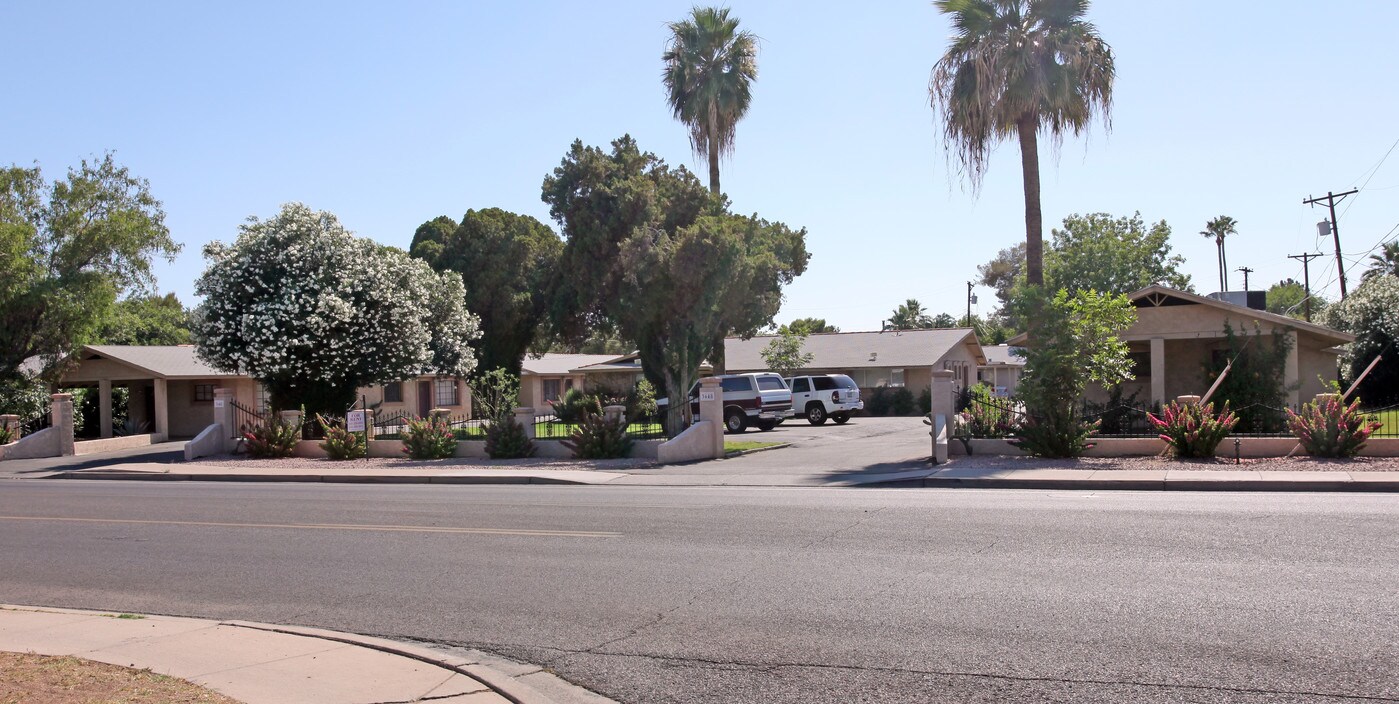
[833, 396]
[759, 399]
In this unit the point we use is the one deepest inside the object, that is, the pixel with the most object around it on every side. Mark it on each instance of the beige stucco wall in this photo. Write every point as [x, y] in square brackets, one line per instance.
[1004, 375]
[374, 396]
[532, 389]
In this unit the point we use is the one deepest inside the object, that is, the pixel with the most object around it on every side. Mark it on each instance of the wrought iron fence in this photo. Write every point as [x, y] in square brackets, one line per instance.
[244, 418]
[1259, 420]
[1123, 420]
[992, 418]
[1389, 416]
[549, 427]
[35, 424]
[464, 427]
[392, 425]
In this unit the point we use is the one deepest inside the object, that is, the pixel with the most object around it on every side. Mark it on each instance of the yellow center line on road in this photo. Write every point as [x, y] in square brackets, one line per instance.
[332, 526]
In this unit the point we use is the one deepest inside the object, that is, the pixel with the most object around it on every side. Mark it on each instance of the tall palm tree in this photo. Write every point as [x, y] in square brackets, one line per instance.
[1016, 68]
[710, 66]
[1219, 228]
[1386, 263]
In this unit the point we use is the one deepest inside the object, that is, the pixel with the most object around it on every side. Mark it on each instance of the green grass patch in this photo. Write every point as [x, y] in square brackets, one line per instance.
[1390, 419]
[129, 617]
[741, 445]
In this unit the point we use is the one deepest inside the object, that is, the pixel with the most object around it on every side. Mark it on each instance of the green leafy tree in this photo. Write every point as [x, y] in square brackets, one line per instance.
[1385, 263]
[808, 326]
[314, 313]
[1219, 229]
[653, 254]
[1371, 313]
[710, 66]
[784, 353]
[910, 315]
[945, 320]
[1288, 297]
[510, 261]
[1003, 271]
[1256, 386]
[146, 320]
[1079, 343]
[1014, 69]
[68, 249]
[1098, 252]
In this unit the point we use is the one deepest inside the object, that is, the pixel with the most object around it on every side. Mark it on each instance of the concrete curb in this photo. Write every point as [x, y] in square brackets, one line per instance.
[1151, 484]
[755, 450]
[501, 683]
[312, 478]
[497, 681]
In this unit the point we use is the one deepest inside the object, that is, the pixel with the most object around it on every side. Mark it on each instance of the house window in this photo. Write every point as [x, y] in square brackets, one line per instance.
[896, 377]
[1141, 364]
[264, 400]
[551, 389]
[393, 392]
[445, 392]
[203, 392]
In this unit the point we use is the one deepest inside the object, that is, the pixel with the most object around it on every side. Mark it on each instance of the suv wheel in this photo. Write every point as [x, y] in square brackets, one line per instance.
[815, 414]
[840, 418]
[766, 425]
[735, 421]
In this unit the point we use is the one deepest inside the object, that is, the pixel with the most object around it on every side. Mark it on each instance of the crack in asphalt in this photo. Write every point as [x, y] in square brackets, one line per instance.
[662, 616]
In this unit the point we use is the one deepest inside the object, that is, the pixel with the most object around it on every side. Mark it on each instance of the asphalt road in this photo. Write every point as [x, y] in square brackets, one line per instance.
[766, 595]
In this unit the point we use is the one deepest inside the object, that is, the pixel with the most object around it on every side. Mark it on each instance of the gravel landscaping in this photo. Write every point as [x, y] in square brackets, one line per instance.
[1265, 464]
[39, 679]
[320, 463]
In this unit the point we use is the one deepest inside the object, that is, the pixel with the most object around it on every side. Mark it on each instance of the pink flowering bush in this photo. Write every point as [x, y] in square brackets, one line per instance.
[1193, 430]
[1329, 428]
[429, 439]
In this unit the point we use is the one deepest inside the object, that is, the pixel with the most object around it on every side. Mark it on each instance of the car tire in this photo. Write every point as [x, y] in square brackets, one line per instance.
[766, 425]
[735, 421]
[815, 414]
[840, 418]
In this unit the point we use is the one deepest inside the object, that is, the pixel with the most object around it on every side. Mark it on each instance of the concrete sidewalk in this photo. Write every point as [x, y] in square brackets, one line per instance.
[262, 663]
[346, 472]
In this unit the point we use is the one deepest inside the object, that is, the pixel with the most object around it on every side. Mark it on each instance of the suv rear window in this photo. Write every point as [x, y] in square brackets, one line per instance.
[825, 383]
[771, 383]
[736, 383]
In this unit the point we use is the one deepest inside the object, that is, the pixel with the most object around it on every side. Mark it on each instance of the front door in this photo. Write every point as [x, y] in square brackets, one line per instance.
[424, 398]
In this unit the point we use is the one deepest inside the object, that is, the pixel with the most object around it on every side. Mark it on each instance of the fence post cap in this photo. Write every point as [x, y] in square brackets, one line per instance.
[524, 410]
[1327, 397]
[711, 381]
[62, 397]
[1188, 400]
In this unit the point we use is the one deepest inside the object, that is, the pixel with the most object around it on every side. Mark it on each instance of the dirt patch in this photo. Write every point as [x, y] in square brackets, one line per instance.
[320, 463]
[42, 679]
[1262, 464]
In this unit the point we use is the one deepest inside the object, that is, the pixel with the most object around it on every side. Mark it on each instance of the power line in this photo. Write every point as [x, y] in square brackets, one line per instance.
[1306, 260]
[1335, 229]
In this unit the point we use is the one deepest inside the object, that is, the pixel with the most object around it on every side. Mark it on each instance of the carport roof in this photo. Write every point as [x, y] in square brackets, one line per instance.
[160, 361]
[860, 350]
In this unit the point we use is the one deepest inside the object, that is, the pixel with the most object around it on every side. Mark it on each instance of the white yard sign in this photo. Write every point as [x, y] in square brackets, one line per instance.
[354, 421]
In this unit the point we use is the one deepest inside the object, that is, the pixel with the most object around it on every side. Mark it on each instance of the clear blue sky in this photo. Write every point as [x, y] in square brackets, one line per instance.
[389, 114]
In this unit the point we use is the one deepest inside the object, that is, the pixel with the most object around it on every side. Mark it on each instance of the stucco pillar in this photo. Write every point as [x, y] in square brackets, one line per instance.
[524, 415]
[614, 414]
[292, 418]
[1158, 371]
[943, 406]
[1292, 375]
[162, 410]
[104, 408]
[61, 413]
[712, 410]
[223, 417]
[11, 423]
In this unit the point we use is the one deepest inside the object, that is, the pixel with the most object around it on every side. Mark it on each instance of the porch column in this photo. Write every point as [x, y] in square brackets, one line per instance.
[162, 410]
[1292, 374]
[104, 407]
[1158, 371]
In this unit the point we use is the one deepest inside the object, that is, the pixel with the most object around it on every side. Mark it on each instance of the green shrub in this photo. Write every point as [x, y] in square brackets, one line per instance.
[1055, 435]
[1329, 428]
[925, 402]
[1193, 430]
[575, 405]
[273, 437]
[494, 394]
[341, 444]
[1256, 384]
[7, 436]
[506, 440]
[429, 439]
[878, 402]
[598, 438]
[901, 402]
[641, 402]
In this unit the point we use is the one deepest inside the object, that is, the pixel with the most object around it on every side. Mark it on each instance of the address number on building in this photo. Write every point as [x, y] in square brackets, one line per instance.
[707, 396]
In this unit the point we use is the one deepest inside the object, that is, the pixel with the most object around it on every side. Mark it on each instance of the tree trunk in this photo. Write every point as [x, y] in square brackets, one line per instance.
[677, 388]
[1219, 259]
[1224, 259]
[1034, 225]
[713, 149]
[716, 358]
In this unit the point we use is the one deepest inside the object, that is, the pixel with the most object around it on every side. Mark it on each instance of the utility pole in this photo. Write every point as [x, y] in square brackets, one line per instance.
[1246, 272]
[1306, 279]
[1331, 199]
[971, 298]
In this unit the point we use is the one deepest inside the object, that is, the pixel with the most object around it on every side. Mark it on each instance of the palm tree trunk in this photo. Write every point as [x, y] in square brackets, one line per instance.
[1219, 259]
[1224, 259]
[713, 148]
[1034, 225]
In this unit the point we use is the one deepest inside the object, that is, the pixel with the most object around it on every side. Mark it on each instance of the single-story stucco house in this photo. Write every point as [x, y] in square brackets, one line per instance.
[548, 377]
[875, 359]
[172, 390]
[1178, 335]
[1002, 369]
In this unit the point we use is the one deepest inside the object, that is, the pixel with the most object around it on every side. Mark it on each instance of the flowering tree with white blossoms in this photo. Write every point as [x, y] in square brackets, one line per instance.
[314, 313]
